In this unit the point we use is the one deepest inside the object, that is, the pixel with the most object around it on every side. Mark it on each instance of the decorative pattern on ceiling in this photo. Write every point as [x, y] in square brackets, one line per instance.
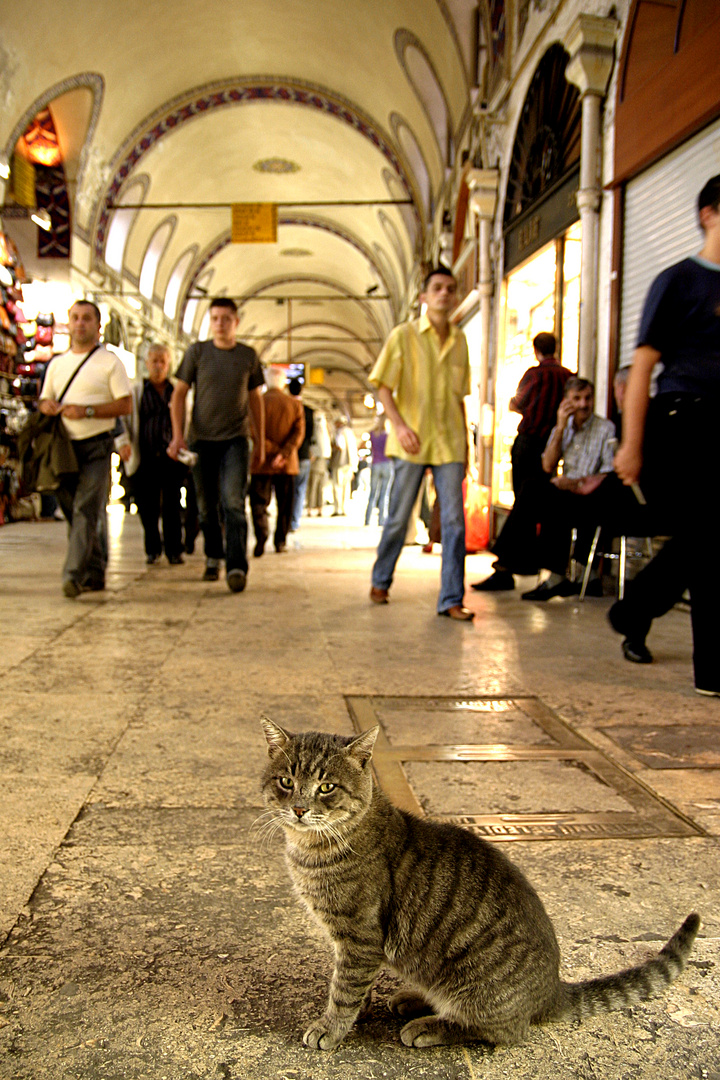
[276, 166]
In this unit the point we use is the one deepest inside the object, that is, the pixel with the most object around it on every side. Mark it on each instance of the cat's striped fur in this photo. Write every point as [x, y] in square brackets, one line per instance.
[445, 910]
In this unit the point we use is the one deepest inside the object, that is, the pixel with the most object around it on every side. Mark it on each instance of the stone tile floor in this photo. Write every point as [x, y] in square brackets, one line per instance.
[149, 932]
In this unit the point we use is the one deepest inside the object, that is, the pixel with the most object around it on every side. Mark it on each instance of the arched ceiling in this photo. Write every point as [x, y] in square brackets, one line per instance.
[346, 116]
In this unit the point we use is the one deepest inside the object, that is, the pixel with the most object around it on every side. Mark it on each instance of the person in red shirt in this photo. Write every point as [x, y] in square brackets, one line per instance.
[537, 398]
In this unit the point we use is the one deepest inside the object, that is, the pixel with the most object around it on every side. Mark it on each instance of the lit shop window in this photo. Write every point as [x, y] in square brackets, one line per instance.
[543, 294]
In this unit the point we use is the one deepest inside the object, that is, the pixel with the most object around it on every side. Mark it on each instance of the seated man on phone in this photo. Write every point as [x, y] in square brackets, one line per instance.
[537, 532]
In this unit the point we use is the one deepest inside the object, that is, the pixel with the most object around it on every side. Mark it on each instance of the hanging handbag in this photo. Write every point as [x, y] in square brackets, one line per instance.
[45, 449]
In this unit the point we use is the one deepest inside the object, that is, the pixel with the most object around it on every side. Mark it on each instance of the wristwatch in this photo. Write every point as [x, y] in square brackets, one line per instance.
[89, 411]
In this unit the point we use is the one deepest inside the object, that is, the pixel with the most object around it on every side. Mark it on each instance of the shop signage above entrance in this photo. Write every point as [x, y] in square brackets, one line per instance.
[254, 223]
[542, 222]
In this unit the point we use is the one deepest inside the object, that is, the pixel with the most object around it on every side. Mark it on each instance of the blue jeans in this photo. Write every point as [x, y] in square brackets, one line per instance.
[221, 479]
[380, 478]
[407, 477]
[301, 482]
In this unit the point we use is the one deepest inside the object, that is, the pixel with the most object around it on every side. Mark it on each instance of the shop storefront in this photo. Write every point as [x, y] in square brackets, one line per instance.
[542, 247]
[541, 294]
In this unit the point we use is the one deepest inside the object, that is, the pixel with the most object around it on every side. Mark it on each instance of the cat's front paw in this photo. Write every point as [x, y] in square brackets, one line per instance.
[320, 1036]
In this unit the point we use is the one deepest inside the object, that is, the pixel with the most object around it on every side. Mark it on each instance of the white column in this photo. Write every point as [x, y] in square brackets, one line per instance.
[590, 42]
[483, 186]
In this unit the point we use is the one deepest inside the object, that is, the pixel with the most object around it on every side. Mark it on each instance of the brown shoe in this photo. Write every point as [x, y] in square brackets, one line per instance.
[457, 611]
[379, 596]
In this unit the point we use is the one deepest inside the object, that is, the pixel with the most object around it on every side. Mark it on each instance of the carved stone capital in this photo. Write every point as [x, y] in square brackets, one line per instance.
[483, 187]
[590, 42]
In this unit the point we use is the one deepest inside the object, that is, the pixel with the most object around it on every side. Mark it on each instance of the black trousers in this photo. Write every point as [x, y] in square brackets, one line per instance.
[680, 477]
[157, 494]
[525, 456]
[538, 529]
[261, 489]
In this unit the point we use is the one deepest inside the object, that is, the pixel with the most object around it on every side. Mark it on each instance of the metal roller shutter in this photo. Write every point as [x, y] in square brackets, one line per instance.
[661, 223]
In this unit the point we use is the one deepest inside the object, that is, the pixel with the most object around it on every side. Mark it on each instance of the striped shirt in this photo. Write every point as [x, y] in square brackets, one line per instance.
[590, 450]
[429, 381]
[155, 424]
[538, 395]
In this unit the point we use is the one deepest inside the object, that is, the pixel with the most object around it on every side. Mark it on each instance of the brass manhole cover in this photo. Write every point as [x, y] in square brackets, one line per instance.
[536, 777]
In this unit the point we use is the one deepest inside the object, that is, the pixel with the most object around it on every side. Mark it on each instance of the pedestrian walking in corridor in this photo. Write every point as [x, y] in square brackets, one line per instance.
[157, 479]
[227, 377]
[423, 376]
[380, 474]
[670, 444]
[90, 389]
[277, 469]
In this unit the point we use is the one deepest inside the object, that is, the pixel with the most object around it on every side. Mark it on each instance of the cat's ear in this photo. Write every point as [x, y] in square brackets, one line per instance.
[277, 738]
[361, 748]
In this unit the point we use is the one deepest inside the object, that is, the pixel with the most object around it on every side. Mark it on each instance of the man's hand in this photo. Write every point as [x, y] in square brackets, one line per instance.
[579, 485]
[175, 446]
[73, 412]
[407, 438]
[565, 411]
[628, 464]
[564, 483]
[49, 408]
[124, 452]
[278, 462]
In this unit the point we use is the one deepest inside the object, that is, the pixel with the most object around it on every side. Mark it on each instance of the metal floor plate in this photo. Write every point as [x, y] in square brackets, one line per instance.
[531, 734]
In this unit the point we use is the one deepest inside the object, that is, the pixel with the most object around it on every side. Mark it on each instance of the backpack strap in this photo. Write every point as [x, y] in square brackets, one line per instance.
[77, 369]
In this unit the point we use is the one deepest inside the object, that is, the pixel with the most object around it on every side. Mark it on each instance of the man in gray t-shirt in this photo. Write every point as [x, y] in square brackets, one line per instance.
[228, 380]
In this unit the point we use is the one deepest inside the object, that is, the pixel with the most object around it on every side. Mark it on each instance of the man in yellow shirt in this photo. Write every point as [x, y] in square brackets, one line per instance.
[423, 376]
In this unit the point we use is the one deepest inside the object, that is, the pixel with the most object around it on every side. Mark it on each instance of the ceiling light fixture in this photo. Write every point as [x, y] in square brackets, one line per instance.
[42, 219]
[134, 302]
[4, 167]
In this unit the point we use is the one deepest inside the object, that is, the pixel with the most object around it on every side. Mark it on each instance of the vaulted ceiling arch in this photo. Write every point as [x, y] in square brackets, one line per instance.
[198, 104]
[301, 330]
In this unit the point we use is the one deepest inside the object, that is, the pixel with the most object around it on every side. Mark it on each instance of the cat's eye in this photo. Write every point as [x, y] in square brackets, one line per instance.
[285, 783]
[326, 788]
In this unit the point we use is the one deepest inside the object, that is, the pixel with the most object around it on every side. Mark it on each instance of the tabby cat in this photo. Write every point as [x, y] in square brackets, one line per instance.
[448, 912]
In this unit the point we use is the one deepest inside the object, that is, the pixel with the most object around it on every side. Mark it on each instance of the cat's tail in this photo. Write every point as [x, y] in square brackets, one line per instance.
[578, 1000]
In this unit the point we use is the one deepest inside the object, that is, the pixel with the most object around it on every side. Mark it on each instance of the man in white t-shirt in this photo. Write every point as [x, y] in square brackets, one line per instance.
[96, 397]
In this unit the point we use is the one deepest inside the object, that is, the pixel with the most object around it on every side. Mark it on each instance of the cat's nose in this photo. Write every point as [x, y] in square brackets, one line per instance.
[301, 811]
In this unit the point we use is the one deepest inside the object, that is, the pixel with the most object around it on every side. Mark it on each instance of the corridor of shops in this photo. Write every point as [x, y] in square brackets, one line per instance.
[309, 162]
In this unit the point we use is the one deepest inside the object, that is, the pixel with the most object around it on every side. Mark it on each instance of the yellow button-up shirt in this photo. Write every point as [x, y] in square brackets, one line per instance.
[428, 381]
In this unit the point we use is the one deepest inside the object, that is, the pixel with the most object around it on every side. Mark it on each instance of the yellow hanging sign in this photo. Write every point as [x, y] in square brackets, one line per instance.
[254, 223]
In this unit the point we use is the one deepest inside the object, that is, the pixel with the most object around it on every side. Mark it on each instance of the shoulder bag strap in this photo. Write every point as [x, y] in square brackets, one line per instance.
[77, 369]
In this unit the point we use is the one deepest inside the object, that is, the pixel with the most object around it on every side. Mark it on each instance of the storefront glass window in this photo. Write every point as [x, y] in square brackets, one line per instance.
[541, 294]
[528, 306]
[571, 299]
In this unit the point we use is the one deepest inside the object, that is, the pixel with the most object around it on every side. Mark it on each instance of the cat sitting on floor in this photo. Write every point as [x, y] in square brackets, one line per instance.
[444, 909]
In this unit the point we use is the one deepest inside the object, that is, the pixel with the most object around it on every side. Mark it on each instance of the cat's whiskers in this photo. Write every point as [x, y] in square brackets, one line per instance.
[332, 833]
[267, 829]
